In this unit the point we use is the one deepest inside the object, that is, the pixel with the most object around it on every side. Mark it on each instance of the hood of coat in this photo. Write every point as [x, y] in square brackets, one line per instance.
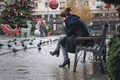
[72, 19]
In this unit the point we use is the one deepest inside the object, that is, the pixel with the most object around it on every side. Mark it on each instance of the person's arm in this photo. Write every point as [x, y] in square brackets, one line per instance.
[70, 30]
[73, 24]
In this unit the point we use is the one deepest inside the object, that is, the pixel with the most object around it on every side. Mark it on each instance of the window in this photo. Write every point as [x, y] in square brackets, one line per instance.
[113, 14]
[45, 16]
[35, 5]
[86, 3]
[51, 16]
[62, 4]
[98, 15]
[99, 4]
[97, 25]
[46, 4]
[112, 27]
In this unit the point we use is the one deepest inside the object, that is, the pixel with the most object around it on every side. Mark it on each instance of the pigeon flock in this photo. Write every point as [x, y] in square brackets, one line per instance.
[25, 44]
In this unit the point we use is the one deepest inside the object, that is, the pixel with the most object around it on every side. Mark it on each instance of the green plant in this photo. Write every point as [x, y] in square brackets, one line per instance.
[114, 59]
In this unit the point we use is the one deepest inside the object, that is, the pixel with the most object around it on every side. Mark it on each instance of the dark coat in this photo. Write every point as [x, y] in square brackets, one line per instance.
[74, 28]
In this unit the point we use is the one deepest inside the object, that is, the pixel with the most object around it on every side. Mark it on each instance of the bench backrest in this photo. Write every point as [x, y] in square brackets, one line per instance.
[103, 38]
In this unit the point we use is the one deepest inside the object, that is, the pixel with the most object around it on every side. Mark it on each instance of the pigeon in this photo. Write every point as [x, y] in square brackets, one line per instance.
[1, 45]
[22, 41]
[34, 38]
[23, 44]
[55, 40]
[47, 41]
[25, 47]
[31, 43]
[15, 43]
[50, 40]
[39, 48]
[28, 40]
[15, 50]
[40, 42]
[9, 41]
[9, 45]
[38, 45]
[14, 40]
[43, 42]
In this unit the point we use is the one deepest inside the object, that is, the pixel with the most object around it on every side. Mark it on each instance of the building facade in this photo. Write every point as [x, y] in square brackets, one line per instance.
[97, 7]
[51, 16]
[104, 13]
[41, 8]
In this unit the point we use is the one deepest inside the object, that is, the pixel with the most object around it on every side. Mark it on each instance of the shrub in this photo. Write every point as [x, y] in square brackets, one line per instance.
[114, 59]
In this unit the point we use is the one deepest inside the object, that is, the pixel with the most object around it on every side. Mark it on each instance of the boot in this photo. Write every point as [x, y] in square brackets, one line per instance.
[56, 52]
[66, 62]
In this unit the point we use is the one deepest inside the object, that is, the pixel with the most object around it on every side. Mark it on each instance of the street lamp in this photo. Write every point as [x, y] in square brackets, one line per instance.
[53, 4]
[48, 15]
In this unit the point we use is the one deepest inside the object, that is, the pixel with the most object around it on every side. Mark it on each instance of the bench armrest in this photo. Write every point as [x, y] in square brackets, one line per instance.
[89, 38]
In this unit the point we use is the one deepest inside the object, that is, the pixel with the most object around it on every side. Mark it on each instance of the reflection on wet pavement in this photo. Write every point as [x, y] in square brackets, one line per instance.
[35, 65]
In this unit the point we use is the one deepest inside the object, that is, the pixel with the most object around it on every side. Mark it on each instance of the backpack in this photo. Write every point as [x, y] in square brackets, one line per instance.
[90, 31]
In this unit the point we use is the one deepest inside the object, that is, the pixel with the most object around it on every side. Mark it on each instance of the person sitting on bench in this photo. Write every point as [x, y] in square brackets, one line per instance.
[74, 27]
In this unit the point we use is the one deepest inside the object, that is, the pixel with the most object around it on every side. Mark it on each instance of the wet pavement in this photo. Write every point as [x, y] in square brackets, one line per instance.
[40, 65]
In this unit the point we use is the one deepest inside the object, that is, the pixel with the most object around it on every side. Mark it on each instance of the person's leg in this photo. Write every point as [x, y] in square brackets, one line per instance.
[59, 40]
[66, 58]
[65, 53]
[46, 32]
[57, 49]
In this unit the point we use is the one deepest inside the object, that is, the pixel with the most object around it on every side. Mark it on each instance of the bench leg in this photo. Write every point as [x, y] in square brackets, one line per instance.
[101, 64]
[75, 62]
[84, 56]
[104, 55]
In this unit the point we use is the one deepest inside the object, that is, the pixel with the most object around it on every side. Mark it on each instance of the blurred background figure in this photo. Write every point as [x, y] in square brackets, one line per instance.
[40, 28]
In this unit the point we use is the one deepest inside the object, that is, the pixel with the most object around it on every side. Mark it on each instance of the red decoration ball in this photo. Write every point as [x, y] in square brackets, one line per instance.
[53, 4]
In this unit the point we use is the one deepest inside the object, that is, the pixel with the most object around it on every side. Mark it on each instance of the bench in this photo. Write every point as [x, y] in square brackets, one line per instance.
[98, 49]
